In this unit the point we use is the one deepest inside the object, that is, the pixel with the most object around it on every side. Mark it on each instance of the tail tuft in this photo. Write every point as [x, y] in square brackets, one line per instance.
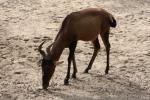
[113, 22]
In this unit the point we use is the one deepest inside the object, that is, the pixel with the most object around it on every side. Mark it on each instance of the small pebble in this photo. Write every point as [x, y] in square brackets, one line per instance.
[17, 72]
[36, 37]
[26, 40]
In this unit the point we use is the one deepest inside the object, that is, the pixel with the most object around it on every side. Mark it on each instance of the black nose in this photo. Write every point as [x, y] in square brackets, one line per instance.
[45, 81]
[45, 86]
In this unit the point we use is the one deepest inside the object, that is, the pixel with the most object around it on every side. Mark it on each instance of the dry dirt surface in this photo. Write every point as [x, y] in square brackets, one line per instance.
[25, 23]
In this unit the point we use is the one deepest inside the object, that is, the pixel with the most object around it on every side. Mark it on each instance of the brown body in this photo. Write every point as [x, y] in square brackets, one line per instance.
[83, 25]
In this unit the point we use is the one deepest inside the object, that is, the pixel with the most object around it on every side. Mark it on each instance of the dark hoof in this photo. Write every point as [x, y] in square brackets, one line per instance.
[66, 82]
[106, 72]
[74, 76]
[86, 71]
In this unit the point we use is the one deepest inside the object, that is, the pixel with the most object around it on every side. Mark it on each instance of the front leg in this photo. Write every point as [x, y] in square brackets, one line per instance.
[71, 56]
[66, 81]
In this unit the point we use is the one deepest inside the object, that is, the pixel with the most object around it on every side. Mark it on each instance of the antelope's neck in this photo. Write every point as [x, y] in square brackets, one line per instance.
[57, 49]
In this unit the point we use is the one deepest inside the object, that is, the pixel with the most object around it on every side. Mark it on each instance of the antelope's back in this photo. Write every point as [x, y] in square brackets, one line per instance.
[86, 24]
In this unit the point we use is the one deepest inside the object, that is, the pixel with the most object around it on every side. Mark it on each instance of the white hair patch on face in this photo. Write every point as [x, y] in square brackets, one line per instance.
[58, 62]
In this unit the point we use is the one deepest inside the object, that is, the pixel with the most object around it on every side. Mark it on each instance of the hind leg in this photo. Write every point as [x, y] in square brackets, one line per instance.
[74, 67]
[96, 49]
[105, 39]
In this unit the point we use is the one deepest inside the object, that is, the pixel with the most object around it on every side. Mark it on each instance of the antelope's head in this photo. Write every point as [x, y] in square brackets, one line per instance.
[48, 66]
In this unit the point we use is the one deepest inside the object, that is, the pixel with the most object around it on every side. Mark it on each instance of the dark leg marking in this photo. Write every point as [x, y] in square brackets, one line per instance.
[70, 57]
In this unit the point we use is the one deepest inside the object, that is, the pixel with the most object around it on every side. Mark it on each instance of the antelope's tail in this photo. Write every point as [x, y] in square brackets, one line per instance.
[112, 22]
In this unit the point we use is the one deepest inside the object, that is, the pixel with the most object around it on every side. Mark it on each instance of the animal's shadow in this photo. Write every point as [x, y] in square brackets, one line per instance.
[129, 89]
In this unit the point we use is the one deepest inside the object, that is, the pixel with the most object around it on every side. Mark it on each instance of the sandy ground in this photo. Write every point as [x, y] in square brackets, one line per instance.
[25, 23]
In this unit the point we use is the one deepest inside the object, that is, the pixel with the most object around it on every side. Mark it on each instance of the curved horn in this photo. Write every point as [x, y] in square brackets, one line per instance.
[40, 49]
[48, 48]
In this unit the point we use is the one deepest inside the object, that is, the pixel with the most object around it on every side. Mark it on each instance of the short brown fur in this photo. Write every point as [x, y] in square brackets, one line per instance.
[83, 25]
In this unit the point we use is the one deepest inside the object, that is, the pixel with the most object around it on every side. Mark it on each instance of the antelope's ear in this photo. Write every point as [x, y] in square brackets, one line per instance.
[59, 62]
